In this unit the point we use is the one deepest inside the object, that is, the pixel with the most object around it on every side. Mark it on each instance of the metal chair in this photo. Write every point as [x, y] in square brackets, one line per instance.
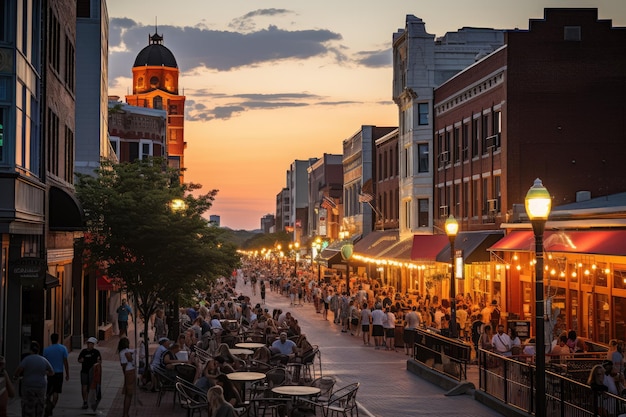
[341, 402]
[191, 400]
[167, 383]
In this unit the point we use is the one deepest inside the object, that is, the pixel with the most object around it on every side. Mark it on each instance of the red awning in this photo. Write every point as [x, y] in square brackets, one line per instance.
[426, 247]
[105, 284]
[597, 242]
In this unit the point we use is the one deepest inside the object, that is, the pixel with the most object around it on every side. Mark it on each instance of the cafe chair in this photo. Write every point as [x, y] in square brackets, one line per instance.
[186, 371]
[166, 384]
[191, 400]
[341, 402]
[326, 385]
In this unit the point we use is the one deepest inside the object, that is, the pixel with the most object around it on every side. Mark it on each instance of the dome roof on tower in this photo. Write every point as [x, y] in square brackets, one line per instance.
[155, 54]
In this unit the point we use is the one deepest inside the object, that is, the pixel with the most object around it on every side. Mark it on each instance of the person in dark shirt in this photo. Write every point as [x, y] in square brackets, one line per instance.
[88, 358]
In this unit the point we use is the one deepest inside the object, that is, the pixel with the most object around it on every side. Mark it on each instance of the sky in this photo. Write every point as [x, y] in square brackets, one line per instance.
[268, 81]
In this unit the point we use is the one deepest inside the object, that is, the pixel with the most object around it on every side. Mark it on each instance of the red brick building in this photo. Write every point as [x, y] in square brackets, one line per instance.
[548, 104]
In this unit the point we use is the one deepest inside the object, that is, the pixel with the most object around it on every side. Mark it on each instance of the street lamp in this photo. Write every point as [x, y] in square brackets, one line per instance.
[538, 204]
[452, 228]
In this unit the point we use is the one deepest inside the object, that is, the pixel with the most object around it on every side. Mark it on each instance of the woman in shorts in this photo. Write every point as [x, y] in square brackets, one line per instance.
[366, 320]
[128, 368]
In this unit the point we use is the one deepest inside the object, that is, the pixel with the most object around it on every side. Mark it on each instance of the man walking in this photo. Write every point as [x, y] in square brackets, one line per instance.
[56, 354]
[123, 312]
[34, 368]
[88, 358]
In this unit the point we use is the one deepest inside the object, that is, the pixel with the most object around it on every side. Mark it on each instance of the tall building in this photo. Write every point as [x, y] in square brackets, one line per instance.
[358, 179]
[39, 215]
[283, 210]
[268, 223]
[155, 85]
[92, 57]
[298, 186]
[421, 63]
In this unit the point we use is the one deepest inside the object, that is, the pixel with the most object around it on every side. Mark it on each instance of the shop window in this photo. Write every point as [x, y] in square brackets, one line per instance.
[619, 277]
[619, 313]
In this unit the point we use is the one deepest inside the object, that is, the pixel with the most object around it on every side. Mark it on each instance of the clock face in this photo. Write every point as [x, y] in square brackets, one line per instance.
[154, 81]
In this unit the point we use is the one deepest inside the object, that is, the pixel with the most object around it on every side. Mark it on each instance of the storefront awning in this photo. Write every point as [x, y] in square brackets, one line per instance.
[331, 255]
[426, 247]
[596, 242]
[376, 243]
[401, 251]
[474, 246]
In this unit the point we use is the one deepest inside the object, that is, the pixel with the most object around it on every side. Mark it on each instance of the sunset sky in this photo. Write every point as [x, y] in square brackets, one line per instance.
[268, 82]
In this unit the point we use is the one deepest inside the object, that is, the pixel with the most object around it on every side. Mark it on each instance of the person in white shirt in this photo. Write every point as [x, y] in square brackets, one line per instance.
[366, 320]
[501, 342]
[127, 361]
[378, 316]
[390, 329]
[412, 322]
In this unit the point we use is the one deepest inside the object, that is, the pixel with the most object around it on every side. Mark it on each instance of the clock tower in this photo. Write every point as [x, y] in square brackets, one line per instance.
[155, 85]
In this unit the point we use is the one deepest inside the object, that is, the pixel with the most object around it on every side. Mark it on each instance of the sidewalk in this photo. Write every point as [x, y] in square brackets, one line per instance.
[70, 401]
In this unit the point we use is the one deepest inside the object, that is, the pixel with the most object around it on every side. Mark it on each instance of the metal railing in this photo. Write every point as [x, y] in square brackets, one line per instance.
[512, 381]
[442, 354]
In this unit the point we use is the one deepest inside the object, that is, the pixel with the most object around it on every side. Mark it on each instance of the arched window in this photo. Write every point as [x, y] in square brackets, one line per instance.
[157, 103]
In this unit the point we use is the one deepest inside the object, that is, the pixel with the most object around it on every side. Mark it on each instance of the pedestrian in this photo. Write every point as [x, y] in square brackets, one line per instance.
[34, 369]
[127, 361]
[57, 355]
[378, 316]
[88, 357]
[334, 306]
[262, 292]
[411, 323]
[501, 342]
[390, 329]
[160, 327]
[123, 311]
[477, 330]
[366, 321]
[7, 390]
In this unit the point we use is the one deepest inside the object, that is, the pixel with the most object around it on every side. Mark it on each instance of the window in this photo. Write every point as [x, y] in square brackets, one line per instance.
[54, 42]
[115, 144]
[422, 109]
[457, 144]
[380, 167]
[485, 195]
[423, 211]
[407, 214]
[484, 132]
[157, 102]
[475, 148]
[465, 208]
[70, 61]
[465, 142]
[146, 149]
[3, 20]
[406, 164]
[457, 200]
[133, 151]
[1, 134]
[69, 155]
[572, 33]
[53, 143]
[83, 8]
[422, 157]
[497, 191]
[475, 200]
[385, 165]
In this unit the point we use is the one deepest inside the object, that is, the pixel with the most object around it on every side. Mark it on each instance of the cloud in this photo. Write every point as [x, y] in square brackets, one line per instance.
[198, 47]
[375, 59]
[246, 23]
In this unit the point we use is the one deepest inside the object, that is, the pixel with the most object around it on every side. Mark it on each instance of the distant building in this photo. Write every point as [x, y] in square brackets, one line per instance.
[421, 63]
[387, 195]
[325, 196]
[358, 177]
[136, 132]
[215, 220]
[155, 85]
[267, 223]
[283, 209]
[298, 186]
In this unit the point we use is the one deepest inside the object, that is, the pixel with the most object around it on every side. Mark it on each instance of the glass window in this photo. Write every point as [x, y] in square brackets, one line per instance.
[407, 214]
[475, 148]
[422, 150]
[457, 145]
[4, 23]
[484, 133]
[423, 208]
[422, 109]
[1, 134]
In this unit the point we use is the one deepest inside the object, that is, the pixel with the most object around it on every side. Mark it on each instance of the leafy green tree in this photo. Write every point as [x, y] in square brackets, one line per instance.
[157, 248]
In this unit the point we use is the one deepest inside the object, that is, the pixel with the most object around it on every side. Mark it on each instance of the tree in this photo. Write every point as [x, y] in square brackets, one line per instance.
[156, 252]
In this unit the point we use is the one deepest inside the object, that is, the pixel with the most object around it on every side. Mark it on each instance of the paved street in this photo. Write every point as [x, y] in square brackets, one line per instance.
[387, 388]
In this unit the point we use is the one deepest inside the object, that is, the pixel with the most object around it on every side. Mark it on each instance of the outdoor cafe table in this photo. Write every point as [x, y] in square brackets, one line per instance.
[243, 377]
[239, 351]
[295, 391]
[249, 345]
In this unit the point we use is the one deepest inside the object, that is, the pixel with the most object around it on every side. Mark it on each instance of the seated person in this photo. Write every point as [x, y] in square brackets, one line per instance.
[223, 366]
[209, 375]
[169, 360]
[284, 347]
[231, 394]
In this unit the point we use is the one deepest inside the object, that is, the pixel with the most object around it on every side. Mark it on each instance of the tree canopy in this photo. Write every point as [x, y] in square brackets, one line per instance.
[139, 232]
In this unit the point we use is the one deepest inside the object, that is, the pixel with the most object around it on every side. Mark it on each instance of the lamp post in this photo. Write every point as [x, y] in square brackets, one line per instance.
[452, 228]
[538, 204]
